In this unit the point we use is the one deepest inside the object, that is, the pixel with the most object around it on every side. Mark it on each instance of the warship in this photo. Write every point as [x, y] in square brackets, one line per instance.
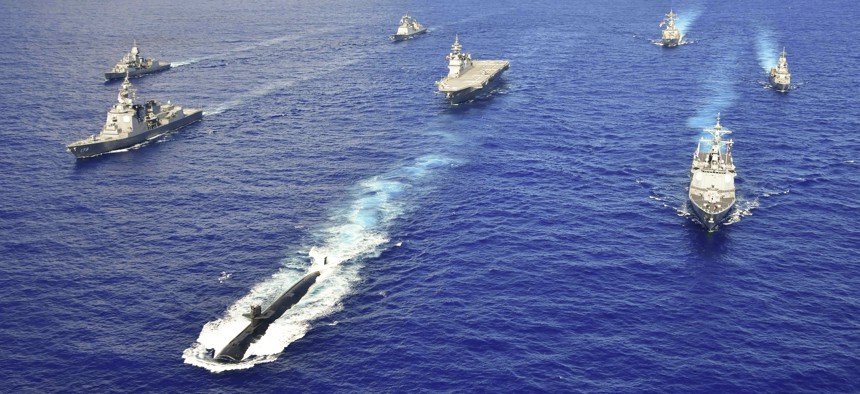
[712, 178]
[409, 27]
[132, 64]
[129, 123]
[466, 77]
[671, 34]
[259, 322]
[780, 78]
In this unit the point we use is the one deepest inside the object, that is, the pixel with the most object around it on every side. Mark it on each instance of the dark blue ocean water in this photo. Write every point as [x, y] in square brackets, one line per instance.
[535, 240]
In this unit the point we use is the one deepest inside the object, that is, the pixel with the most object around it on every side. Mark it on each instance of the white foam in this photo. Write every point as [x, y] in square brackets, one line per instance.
[742, 209]
[358, 232]
[278, 85]
[256, 45]
[685, 20]
[721, 95]
[766, 49]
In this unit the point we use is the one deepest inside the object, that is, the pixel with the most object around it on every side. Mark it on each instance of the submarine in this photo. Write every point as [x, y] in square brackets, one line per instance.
[236, 348]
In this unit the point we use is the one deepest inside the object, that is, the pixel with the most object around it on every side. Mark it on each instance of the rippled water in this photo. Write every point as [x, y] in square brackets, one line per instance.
[533, 240]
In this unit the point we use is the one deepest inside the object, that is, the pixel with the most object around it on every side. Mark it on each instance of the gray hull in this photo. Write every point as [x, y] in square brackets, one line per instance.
[782, 87]
[401, 37]
[467, 94]
[96, 148]
[134, 73]
[711, 221]
[671, 43]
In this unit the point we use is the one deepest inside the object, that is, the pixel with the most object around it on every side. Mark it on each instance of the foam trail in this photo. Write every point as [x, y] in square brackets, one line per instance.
[297, 36]
[742, 209]
[721, 94]
[686, 20]
[356, 233]
[277, 86]
[767, 50]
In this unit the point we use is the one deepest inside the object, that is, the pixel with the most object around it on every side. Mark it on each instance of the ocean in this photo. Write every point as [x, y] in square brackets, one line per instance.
[536, 239]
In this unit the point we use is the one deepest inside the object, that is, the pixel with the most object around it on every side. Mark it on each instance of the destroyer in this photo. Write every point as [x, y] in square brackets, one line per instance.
[466, 77]
[671, 34]
[780, 78]
[129, 123]
[712, 178]
[409, 27]
[132, 64]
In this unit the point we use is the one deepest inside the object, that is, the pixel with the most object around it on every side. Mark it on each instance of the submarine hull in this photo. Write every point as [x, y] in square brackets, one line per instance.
[236, 348]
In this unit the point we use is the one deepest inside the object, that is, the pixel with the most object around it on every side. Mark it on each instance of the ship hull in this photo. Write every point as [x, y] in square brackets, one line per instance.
[84, 150]
[710, 220]
[236, 349]
[464, 95]
[469, 93]
[403, 37]
[134, 73]
[782, 87]
[668, 43]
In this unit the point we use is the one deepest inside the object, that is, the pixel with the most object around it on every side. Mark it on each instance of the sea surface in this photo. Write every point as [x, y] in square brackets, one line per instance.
[536, 239]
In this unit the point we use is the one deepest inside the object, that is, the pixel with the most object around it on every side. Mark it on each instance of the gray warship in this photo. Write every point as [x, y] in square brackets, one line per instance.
[466, 77]
[671, 34]
[129, 123]
[780, 78]
[712, 178]
[132, 64]
[409, 27]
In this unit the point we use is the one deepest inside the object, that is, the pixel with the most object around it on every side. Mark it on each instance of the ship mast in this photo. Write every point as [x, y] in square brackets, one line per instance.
[670, 20]
[458, 62]
[717, 143]
[127, 93]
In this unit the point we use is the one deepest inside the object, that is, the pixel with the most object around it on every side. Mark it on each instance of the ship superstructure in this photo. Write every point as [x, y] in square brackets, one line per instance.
[671, 34]
[408, 28]
[780, 78]
[129, 123]
[712, 178]
[132, 64]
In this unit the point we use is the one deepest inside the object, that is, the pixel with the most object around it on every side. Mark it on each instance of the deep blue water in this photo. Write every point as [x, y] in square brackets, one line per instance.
[533, 240]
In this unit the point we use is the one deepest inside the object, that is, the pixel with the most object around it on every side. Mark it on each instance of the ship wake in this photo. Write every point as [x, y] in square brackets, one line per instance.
[766, 49]
[686, 21]
[229, 54]
[357, 233]
[721, 95]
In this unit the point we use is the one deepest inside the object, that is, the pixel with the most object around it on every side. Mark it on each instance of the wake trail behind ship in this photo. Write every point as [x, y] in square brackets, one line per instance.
[357, 233]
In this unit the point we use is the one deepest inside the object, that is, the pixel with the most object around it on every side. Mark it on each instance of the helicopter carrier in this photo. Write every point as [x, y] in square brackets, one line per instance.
[129, 123]
[712, 178]
[466, 77]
